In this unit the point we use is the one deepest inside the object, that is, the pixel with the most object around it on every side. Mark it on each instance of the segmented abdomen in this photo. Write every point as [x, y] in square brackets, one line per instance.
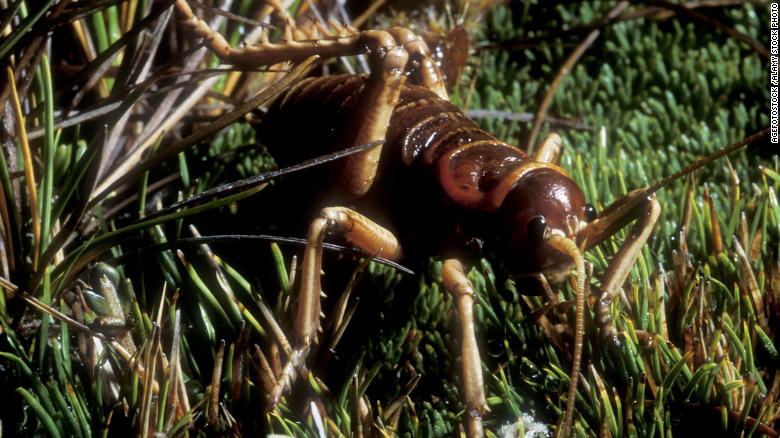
[425, 131]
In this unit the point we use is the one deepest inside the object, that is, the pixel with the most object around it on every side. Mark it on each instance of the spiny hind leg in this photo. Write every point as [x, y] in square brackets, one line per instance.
[289, 49]
[370, 118]
[423, 69]
[396, 51]
[362, 233]
[456, 282]
[388, 53]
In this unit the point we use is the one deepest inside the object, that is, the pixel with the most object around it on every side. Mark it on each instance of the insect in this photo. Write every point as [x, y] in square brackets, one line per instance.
[525, 209]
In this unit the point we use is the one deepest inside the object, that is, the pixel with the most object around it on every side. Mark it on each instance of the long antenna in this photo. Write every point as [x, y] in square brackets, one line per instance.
[704, 161]
[631, 199]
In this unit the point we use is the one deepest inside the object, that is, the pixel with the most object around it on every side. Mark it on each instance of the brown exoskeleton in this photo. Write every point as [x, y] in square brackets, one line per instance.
[455, 183]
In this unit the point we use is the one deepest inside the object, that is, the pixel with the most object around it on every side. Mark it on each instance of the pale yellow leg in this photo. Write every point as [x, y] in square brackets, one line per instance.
[456, 282]
[362, 233]
[623, 261]
[371, 116]
[635, 205]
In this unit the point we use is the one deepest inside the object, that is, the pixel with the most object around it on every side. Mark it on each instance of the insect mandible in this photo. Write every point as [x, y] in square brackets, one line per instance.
[525, 209]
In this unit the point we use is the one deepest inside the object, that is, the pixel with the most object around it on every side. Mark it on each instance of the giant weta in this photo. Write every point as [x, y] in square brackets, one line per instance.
[525, 209]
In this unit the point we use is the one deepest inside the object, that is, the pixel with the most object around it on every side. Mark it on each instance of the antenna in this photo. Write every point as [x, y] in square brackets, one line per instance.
[704, 161]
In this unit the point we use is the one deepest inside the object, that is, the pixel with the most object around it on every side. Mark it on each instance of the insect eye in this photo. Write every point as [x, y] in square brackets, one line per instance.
[590, 213]
[536, 227]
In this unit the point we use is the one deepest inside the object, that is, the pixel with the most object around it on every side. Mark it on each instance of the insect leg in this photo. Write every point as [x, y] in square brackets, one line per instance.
[549, 149]
[423, 69]
[456, 282]
[267, 53]
[636, 205]
[370, 118]
[360, 232]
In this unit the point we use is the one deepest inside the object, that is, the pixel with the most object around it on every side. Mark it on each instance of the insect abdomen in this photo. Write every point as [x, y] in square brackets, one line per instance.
[425, 131]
